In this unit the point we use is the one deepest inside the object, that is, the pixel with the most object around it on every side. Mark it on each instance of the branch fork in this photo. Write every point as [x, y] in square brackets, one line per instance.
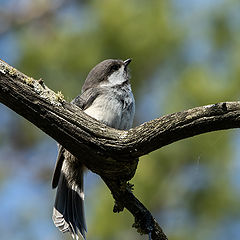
[112, 154]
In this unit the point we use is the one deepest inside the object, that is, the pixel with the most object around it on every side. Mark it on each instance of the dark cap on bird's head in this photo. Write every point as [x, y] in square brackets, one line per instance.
[115, 68]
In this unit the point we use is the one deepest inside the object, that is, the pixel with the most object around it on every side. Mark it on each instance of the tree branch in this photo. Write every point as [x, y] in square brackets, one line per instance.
[111, 153]
[144, 221]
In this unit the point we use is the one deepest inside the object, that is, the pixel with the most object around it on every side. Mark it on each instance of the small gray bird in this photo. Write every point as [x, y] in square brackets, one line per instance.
[107, 97]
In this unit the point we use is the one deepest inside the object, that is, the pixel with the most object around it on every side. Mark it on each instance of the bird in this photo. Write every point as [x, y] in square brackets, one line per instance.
[107, 96]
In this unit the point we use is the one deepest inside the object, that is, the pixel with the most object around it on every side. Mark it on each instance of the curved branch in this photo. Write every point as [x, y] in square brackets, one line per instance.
[86, 137]
[173, 127]
[111, 153]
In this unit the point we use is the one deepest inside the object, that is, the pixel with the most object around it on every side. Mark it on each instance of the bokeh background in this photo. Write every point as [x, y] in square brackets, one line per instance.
[186, 53]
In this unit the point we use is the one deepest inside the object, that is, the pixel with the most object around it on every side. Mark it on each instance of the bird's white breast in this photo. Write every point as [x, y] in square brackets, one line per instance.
[116, 108]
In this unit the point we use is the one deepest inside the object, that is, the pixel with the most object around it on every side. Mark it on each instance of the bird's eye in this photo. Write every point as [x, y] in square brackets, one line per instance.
[115, 67]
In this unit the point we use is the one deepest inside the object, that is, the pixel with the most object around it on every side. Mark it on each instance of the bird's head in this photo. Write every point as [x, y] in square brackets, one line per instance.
[110, 72]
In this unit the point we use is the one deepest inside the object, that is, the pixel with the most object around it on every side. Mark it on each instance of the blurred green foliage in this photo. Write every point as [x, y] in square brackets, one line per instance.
[188, 185]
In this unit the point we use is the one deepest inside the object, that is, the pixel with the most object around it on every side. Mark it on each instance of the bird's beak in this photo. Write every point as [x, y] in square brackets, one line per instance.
[126, 62]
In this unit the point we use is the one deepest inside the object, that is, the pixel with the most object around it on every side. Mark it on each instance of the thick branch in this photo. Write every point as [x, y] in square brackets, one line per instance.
[109, 152]
[81, 134]
[33, 100]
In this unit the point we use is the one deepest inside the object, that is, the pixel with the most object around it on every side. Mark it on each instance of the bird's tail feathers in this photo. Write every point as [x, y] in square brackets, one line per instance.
[68, 212]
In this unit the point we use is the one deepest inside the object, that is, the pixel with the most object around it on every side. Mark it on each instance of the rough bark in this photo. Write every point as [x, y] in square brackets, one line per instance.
[111, 153]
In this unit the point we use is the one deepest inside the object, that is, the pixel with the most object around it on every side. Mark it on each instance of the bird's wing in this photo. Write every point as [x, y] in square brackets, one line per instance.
[83, 101]
[86, 98]
[58, 166]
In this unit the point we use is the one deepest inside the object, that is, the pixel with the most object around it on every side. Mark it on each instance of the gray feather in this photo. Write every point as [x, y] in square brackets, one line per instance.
[68, 212]
[58, 166]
